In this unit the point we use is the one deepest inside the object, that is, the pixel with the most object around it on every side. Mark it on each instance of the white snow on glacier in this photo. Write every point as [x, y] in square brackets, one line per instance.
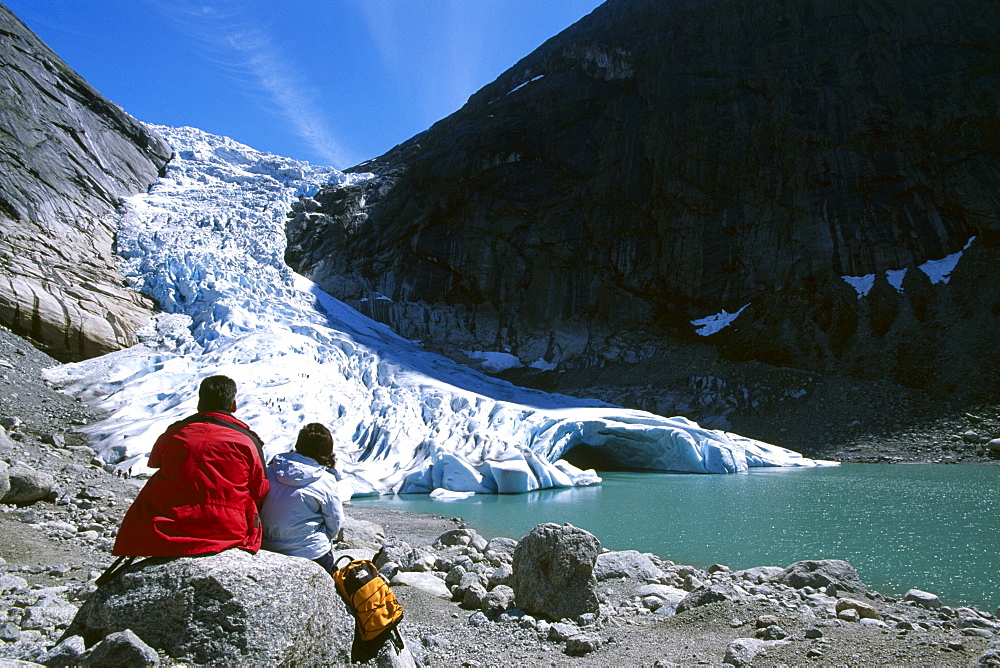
[207, 242]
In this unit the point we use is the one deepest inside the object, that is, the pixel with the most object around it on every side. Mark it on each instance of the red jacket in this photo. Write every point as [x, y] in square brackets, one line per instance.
[205, 495]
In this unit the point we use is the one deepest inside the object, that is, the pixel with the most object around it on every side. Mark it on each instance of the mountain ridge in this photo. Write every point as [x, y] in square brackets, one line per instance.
[657, 163]
[67, 156]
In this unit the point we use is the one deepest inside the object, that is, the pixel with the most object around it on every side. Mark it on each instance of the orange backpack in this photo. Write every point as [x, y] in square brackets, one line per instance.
[367, 595]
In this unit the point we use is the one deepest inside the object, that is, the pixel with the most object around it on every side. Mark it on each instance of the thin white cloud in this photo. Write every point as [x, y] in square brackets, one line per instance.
[233, 41]
[380, 17]
[468, 25]
[447, 62]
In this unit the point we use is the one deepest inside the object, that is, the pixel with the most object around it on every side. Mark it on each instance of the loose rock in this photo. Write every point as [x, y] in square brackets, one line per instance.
[27, 485]
[820, 574]
[626, 564]
[554, 572]
[923, 598]
[121, 649]
[584, 643]
[712, 593]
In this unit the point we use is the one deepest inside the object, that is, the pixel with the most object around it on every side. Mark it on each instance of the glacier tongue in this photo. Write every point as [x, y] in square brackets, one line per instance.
[207, 242]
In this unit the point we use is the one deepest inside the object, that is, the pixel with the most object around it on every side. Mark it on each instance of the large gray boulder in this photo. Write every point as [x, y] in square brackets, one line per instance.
[626, 564]
[27, 485]
[923, 598]
[4, 478]
[554, 572]
[232, 608]
[716, 592]
[822, 573]
[661, 599]
[67, 157]
[361, 533]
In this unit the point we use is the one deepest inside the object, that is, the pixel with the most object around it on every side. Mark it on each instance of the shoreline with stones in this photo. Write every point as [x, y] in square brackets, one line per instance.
[461, 601]
[452, 582]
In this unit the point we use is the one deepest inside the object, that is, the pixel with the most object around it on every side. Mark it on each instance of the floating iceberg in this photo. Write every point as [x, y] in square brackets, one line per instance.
[207, 242]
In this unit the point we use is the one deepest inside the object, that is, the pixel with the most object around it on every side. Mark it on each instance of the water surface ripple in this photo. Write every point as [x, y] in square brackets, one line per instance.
[924, 526]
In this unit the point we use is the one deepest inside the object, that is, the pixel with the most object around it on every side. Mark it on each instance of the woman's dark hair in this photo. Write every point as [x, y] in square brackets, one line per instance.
[216, 393]
[316, 441]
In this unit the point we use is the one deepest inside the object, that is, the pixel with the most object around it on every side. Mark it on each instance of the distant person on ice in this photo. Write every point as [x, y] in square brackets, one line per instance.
[204, 498]
[302, 513]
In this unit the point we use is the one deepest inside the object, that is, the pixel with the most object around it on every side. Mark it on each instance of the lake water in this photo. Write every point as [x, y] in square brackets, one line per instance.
[923, 526]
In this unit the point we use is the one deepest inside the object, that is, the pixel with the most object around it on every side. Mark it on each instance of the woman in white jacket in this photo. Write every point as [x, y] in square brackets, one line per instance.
[302, 513]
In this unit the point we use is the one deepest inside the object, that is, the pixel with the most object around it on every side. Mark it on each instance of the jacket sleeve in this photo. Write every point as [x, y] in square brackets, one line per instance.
[258, 484]
[156, 454]
[333, 511]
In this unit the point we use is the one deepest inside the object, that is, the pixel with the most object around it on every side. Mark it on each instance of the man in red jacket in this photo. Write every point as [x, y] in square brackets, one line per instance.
[204, 497]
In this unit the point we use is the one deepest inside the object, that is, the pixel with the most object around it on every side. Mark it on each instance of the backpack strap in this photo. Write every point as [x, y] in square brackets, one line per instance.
[112, 571]
[121, 563]
[211, 419]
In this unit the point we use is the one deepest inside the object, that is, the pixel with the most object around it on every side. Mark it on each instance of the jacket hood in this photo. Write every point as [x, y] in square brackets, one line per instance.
[294, 469]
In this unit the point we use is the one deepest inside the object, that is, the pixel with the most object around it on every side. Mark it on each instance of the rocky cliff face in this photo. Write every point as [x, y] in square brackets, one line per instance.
[661, 161]
[67, 155]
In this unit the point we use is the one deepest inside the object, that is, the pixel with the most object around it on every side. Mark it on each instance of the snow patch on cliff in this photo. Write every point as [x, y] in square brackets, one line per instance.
[938, 271]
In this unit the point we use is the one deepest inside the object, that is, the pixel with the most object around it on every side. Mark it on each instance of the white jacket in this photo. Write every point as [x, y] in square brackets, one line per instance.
[302, 513]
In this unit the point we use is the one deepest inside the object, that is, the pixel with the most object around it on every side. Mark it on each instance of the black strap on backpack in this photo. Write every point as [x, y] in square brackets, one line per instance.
[211, 419]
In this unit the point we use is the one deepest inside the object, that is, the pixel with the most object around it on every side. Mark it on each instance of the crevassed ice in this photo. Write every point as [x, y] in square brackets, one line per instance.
[207, 242]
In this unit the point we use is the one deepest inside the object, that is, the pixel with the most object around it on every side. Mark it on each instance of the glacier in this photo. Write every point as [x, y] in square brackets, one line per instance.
[207, 243]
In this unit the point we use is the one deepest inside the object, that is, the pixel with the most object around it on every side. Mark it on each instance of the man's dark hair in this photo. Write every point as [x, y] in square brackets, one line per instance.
[216, 393]
[316, 442]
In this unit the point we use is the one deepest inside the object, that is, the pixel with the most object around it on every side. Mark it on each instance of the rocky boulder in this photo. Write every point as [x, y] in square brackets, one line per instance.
[360, 533]
[67, 156]
[4, 479]
[25, 484]
[554, 572]
[821, 574]
[120, 649]
[661, 599]
[863, 610]
[427, 582]
[626, 564]
[716, 592]
[263, 609]
[659, 162]
[744, 652]
[923, 598]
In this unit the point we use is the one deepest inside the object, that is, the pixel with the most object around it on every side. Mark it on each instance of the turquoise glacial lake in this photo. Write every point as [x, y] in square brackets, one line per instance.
[923, 526]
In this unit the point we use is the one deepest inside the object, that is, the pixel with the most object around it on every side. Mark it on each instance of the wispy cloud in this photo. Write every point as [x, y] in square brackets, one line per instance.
[236, 43]
[439, 73]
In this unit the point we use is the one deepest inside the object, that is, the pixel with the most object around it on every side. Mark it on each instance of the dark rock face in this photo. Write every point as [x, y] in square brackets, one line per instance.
[660, 161]
[67, 155]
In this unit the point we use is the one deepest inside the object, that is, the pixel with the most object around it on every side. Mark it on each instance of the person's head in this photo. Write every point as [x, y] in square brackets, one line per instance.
[316, 442]
[217, 393]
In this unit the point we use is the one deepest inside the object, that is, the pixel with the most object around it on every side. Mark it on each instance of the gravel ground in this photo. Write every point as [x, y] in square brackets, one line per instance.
[35, 545]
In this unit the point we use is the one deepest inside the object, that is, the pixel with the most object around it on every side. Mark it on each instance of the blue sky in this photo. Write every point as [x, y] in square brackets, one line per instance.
[334, 82]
